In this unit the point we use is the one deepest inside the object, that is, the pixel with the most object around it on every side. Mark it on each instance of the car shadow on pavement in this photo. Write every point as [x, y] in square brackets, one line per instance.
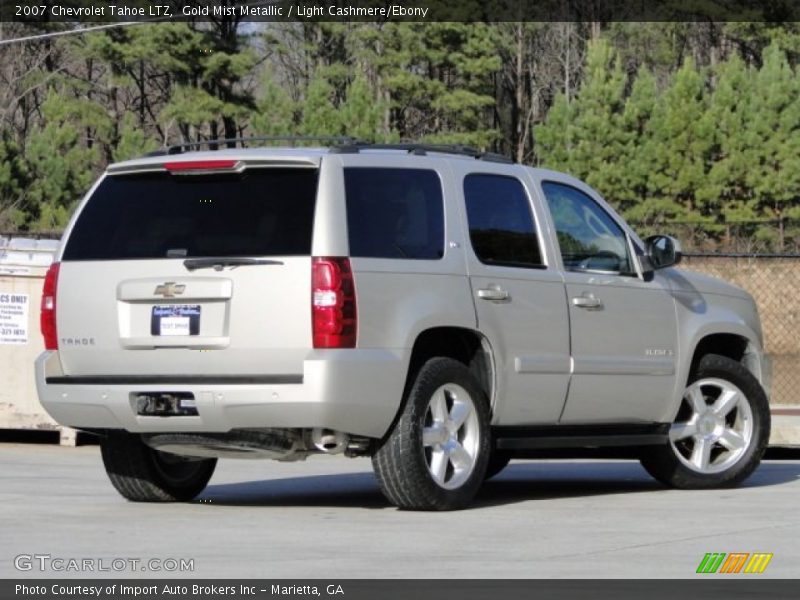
[347, 489]
[551, 480]
[519, 482]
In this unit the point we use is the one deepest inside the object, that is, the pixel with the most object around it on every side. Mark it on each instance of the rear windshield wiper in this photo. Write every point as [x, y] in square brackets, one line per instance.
[219, 262]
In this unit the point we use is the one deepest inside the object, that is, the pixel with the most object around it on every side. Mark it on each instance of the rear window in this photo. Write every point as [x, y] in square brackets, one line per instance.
[261, 212]
[394, 213]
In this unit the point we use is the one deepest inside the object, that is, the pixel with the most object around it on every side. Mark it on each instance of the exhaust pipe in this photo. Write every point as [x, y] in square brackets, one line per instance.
[328, 441]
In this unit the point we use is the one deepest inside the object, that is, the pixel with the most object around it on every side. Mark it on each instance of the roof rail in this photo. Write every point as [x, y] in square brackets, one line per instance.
[339, 145]
[231, 142]
[421, 149]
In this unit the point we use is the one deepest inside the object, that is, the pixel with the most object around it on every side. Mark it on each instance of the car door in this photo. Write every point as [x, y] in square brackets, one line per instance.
[519, 297]
[623, 329]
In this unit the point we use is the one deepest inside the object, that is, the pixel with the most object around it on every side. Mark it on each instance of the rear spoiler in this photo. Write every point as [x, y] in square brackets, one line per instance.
[203, 166]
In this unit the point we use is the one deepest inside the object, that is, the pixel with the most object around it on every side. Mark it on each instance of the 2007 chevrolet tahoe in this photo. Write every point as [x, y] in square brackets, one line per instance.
[438, 309]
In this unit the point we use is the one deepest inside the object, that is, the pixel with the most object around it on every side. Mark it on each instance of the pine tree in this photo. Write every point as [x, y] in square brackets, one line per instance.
[774, 143]
[275, 111]
[438, 81]
[463, 57]
[636, 153]
[361, 112]
[554, 139]
[133, 141]
[14, 179]
[728, 117]
[679, 150]
[60, 169]
[189, 77]
[321, 115]
[597, 134]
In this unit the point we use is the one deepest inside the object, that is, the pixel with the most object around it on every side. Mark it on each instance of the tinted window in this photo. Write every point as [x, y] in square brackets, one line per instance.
[590, 240]
[501, 226]
[261, 212]
[394, 213]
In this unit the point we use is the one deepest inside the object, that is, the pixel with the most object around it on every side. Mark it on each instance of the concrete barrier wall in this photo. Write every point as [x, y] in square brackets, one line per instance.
[18, 404]
[23, 264]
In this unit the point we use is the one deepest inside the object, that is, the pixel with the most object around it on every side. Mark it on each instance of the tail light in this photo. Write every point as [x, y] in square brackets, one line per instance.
[333, 303]
[47, 318]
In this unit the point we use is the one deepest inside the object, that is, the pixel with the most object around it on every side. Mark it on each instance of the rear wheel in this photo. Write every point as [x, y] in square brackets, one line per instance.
[142, 474]
[435, 457]
[720, 432]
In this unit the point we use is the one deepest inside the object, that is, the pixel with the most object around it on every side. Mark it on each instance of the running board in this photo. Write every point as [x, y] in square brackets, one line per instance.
[580, 436]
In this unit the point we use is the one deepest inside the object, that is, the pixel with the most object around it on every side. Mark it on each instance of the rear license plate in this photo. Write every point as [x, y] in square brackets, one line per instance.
[175, 319]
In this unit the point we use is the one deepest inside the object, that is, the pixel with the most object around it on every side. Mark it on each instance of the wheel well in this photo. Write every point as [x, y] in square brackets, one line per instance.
[725, 344]
[464, 345]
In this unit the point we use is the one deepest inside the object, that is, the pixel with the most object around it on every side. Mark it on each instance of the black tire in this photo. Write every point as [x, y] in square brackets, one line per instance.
[142, 474]
[498, 461]
[663, 463]
[401, 462]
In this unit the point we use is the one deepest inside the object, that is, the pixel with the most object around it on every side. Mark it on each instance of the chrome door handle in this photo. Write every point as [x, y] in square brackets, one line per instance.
[588, 301]
[495, 294]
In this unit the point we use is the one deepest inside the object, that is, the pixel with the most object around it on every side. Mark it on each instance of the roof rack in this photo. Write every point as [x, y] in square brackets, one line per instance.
[421, 149]
[231, 142]
[339, 145]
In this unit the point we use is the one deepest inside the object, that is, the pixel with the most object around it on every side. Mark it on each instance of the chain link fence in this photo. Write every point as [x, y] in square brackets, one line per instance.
[31, 235]
[774, 282]
[759, 237]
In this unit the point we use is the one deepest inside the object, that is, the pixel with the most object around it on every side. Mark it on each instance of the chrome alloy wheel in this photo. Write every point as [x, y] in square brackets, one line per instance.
[714, 427]
[451, 436]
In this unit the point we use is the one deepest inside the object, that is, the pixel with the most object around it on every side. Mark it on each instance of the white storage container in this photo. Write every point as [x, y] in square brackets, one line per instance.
[23, 264]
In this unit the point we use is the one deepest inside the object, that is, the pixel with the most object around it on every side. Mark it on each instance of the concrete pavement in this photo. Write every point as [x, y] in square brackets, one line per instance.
[326, 518]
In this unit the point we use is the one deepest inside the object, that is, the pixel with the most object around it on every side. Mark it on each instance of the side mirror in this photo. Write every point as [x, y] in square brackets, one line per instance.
[663, 251]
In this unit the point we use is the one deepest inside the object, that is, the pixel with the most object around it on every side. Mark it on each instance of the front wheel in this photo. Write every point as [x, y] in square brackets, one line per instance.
[142, 474]
[720, 432]
[436, 455]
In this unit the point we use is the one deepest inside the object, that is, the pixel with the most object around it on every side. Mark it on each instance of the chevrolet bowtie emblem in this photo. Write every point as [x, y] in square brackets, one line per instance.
[170, 289]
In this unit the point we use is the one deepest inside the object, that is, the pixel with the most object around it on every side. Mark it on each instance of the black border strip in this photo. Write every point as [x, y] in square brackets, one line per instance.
[405, 10]
[707, 587]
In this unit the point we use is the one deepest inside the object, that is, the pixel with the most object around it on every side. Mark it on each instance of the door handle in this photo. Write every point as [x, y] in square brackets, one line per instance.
[496, 294]
[588, 301]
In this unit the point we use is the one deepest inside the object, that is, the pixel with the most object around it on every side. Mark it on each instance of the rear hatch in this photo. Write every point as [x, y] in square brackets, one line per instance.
[199, 269]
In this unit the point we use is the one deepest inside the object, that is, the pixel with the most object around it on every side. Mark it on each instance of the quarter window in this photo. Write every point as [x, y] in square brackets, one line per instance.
[394, 213]
[501, 225]
[590, 240]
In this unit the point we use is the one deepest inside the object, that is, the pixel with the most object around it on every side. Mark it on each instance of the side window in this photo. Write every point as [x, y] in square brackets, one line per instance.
[394, 213]
[501, 226]
[590, 240]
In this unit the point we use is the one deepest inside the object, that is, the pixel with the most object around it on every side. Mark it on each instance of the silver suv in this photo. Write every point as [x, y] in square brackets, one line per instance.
[438, 309]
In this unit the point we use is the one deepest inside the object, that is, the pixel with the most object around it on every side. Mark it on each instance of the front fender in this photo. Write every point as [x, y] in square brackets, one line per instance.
[703, 315]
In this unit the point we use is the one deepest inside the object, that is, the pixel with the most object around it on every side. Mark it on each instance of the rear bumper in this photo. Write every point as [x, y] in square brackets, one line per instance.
[354, 391]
